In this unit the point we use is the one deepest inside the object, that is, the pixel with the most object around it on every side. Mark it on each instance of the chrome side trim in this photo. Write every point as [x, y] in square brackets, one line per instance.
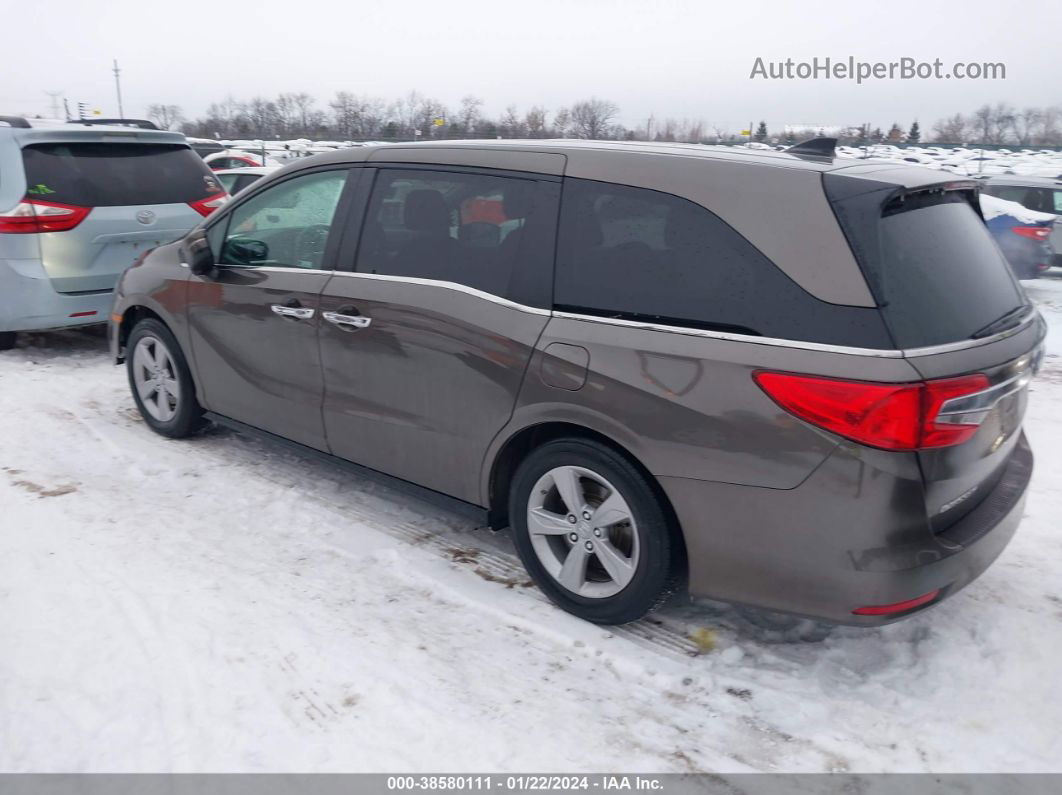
[931, 350]
[460, 288]
[880, 353]
[725, 335]
[972, 409]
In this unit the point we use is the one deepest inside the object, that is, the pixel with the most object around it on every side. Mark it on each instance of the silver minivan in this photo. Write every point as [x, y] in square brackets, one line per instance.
[79, 203]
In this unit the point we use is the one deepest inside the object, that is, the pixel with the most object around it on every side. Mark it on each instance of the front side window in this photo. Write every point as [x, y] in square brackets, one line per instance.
[469, 229]
[644, 255]
[287, 225]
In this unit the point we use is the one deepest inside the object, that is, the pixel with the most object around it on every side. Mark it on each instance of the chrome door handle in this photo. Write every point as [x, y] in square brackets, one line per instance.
[352, 321]
[298, 312]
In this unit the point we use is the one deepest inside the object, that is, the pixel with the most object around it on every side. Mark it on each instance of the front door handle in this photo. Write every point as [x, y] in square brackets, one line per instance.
[297, 312]
[347, 321]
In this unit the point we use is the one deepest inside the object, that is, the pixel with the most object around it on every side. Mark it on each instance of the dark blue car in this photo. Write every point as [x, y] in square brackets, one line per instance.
[1022, 235]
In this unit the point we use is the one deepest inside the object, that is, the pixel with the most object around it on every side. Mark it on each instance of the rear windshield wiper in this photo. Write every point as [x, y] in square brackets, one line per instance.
[1009, 320]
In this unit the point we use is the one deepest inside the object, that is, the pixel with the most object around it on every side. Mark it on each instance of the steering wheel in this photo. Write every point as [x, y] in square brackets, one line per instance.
[310, 244]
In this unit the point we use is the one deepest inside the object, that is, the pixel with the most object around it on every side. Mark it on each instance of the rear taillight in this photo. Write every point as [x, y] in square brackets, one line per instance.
[887, 416]
[209, 204]
[897, 607]
[31, 216]
[1034, 232]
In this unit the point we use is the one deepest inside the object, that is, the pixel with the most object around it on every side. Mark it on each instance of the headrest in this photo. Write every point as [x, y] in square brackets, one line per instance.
[425, 211]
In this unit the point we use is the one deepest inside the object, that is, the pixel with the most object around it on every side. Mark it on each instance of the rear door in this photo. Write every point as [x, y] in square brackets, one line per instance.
[138, 194]
[254, 321]
[952, 304]
[424, 343]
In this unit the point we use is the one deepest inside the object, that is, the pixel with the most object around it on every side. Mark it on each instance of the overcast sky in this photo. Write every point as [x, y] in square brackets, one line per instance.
[675, 58]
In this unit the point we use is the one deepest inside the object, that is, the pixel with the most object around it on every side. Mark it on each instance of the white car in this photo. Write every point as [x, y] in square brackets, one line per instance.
[236, 179]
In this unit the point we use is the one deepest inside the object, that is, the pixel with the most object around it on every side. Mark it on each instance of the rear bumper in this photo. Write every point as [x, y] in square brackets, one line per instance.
[29, 303]
[843, 539]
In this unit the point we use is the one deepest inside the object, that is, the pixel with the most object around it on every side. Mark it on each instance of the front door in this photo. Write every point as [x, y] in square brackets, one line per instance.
[253, 322]
[425, 344]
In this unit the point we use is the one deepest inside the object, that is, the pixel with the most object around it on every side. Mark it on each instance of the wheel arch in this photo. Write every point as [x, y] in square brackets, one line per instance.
[132, 315]
[517, 447]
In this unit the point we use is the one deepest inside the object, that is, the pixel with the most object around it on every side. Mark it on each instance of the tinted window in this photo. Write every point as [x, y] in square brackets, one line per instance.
[117, 174]
[931, 263]
[646, 255]
[492, 233]
[286, 225]
[942, 277]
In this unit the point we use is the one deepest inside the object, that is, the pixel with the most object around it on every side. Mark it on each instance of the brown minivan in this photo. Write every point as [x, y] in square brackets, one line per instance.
[781, 380]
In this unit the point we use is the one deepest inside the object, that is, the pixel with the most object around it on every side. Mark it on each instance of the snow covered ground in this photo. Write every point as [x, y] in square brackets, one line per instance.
[219, 605]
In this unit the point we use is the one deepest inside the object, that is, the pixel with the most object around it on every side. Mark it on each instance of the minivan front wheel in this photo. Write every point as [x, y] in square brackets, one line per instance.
[591, 532]
[161, 381]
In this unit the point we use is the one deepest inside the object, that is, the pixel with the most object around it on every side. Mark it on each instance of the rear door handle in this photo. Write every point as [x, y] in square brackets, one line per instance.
[348, 321]
[297, 312]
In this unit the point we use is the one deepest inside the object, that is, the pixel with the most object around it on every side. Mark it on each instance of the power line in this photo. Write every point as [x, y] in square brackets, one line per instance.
[118, 88]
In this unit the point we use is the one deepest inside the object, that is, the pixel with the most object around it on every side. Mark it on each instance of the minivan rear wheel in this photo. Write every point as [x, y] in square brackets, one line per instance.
[591, 532]
[7, 340]
[161, 381]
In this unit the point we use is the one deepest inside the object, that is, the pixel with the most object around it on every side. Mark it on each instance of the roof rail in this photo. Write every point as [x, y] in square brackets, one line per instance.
[143, 124]
[816, 147]
[15, 121]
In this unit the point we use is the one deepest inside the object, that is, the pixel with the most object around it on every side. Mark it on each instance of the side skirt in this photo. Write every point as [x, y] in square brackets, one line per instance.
[476, 513]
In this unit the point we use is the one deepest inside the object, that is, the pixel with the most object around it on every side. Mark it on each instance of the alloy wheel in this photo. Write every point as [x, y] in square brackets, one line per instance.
[583, 532]
[155, 379]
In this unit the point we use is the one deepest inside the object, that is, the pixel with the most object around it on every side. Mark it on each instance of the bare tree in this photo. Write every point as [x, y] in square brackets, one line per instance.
[469, 114]
[1026, 123]
[593, 117]
[535, 121]
[562, 121]
[953, 129]
[513, 124]
[166, 117]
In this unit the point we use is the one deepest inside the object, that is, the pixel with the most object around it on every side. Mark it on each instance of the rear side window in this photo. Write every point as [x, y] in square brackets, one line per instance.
[492, 233]
[116, 174]
[931, 263]
[640, 254]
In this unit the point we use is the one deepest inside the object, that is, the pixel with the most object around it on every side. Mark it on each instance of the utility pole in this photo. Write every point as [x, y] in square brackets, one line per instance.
[118, 88]
[55, 102]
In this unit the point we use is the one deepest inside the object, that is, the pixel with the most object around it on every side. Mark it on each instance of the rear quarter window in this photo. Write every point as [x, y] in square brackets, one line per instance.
[645, 255]
[100, 174]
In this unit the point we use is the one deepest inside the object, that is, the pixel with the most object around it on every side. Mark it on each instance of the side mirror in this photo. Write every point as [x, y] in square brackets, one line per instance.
[198, 254]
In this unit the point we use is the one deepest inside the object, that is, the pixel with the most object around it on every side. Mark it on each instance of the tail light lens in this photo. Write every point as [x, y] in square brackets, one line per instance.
[206, 206]
[886, 416]
[898, 607]
[32, 216]
[1034, 232]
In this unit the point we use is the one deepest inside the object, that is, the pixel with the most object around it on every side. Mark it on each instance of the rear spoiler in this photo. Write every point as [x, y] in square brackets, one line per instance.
[142, 124]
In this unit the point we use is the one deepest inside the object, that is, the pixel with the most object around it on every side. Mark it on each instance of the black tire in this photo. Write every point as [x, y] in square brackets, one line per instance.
[7, 340]
[187, 418]
[654, 576]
